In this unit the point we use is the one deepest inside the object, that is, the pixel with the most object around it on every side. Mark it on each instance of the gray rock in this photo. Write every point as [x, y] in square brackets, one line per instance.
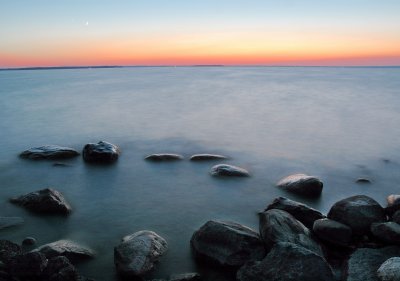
[332, 231]
[164, 157]
[227, 243]
[138, 253]
[29, 241]
[44, 201]
[303, 213]
[280, 226]
[27, 266]
[287, 262]
[393, 204]
[364, 262]
[101, 152]
[70, 249]
[49, 152]
[60, 269]
[358, 212]
[389, 270]
[229, 170]
[302, 184]
[10, 221]
[388, 232]
[8, 250]
[193, 276]
[207, 157]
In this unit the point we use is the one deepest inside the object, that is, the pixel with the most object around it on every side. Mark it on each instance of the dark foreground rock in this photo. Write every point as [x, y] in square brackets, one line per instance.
[279, 226]
[70, 249]
[302, 184]
[389, 270]
[388, 232]
[333, 232]
[44, 201]
[101, 152]
[164, 157]
[358, 212]
[138, 253]
[229, 170]
[27, 266]
[303, 213]
[49, 152]
[8, 250]
[6, 222]
[227, 243]
[185, 277]
[287, 262]
[207, 157]
[60, 269]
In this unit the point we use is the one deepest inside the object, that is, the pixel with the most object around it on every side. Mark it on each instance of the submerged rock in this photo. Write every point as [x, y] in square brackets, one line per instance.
[67, 248]
[389, 270]
[388, 232]
[44, 201]
[164, 157]
[29, 241]
[227, 243]
[10, 221]
[229, 170]
[332, 231]
[206, 157]
[302, 184]
[138, 253]
[185, 277]
[101, 152]
[49, 152]
[363, 180]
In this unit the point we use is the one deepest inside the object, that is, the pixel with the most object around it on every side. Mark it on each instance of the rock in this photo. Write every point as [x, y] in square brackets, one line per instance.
[206, 157]
[332, 231]
[59, 164]
[70, 249]
[138, 253]
[60, 269]
[5, 276]
[10, 221]
[302, 184]
[303, 213]
[364, 262]
[396, 217]
[44, 201]
[8, 250]
[27, 266]
[29, 241]
[164, 157]
[227, 243]
[389, 270]
[280, 226]
[101, 152]
[363, 180]
[388, 232]
[358, 212]
[393, 204]
[185, 277]
[287, 262]
[49, 152]
[229, 170]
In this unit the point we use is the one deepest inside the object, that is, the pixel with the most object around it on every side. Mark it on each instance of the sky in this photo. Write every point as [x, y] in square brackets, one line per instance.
[189, 32]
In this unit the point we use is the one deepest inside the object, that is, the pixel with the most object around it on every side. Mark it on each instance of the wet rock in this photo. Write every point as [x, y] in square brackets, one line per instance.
[6, 222]
[364, 262]
[185, 277]
[44, 201]
[27, 266]
[5, 276]
[393, 204]
[101, 152]
[164, 157]
[358, 212]
[206, 157]
[70, 249]
[227, 243]
[60, 269]
[29, 241]
[363, 180]
[138, 253]
[389, 270]
[332, 231]
[301, 212]
[396, 217]
[49, 152]
[280, 226]
[8, 250]
[287, 262]
[229, 170]
[302, 184]
[388, 232]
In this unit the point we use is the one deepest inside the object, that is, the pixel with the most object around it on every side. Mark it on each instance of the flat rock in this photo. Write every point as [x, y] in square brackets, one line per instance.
[138, 253]
[287, 262]
[193, 276]
[229, 170]
[358, 212]
[70, 249]
[388, 232]
[279, 226]
[49, 152]
[301, 212]
[227, 243]
[8, 250]
[302, 184]
[101, 152]
[27, 266]
[10, 221]
[44, 201]
[164, 157]
[207, 157]
[389, 270]
[393, 204]
[332, 231]
[364, 262]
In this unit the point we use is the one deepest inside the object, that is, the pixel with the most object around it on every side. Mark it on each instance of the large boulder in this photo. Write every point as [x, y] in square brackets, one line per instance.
[164, 157]
[229, 170]
[287, 262]
[279, 226]
[303, 213]
[70, 249]
[138, 253]
[207, 157]
[6, 222]
[388, 232]
[49, 152]
[44, 201]
[358, 212]
[227, 243]
[8, 250]
[101, 152]
[332, 232]
[302, 184]
[389, 270]
[27, 266]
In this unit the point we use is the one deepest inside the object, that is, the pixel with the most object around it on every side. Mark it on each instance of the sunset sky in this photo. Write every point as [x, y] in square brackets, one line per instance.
[187, 32]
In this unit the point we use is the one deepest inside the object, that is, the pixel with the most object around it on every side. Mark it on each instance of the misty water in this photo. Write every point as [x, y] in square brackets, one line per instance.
[335, 123]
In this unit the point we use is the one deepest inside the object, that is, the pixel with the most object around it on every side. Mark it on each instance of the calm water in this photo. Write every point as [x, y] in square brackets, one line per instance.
[335, 123]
